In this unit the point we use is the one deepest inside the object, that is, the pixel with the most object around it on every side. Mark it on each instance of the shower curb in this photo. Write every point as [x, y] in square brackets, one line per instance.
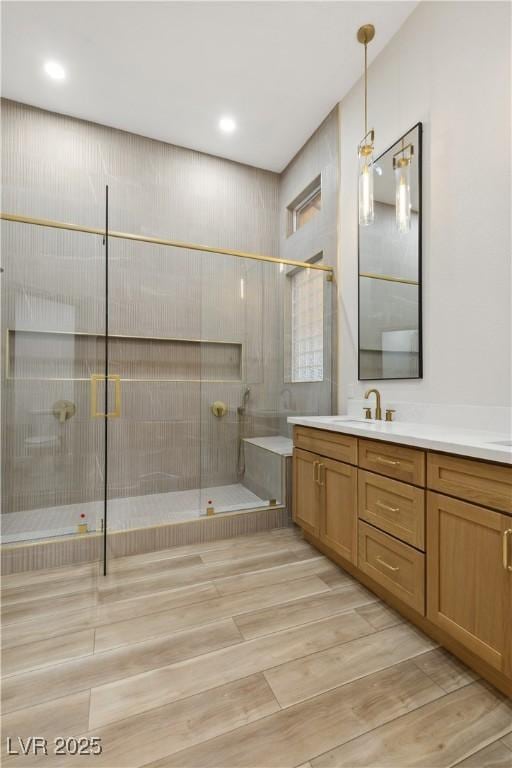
[88, 548]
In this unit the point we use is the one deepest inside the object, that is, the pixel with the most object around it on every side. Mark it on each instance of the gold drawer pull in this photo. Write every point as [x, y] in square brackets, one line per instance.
[381, 504]
[319, 481]
[388, 462]
[393, 568]
[506, 563]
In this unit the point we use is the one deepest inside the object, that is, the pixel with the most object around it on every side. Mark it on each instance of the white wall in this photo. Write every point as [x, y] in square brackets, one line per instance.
[448, 66]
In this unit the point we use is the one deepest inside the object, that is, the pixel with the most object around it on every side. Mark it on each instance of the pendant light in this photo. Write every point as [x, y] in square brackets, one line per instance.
[365, 35]
[402, 169]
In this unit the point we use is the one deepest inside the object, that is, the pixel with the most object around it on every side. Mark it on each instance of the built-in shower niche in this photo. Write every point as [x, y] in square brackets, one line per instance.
[71, 355]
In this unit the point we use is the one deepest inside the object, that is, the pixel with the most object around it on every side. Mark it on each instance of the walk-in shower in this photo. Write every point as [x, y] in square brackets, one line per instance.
[115, 350]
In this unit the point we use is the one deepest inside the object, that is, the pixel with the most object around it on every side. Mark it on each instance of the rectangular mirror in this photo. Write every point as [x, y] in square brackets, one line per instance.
[390, 332]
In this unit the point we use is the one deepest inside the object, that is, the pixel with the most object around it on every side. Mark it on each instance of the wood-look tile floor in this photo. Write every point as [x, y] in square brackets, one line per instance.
[255, 652]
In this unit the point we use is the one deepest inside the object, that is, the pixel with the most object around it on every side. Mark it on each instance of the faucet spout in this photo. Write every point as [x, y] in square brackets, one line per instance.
[378, 408]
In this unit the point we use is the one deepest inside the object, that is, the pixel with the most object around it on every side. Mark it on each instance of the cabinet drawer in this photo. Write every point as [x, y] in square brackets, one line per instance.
[397, 567]
[330, 444]
[395, 461]
[392, 506]
[487, 484]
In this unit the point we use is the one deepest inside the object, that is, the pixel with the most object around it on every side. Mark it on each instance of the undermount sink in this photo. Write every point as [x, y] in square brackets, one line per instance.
[355, 421]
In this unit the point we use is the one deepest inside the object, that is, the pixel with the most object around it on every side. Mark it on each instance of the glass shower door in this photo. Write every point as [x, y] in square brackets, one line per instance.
[154, 348]
[242, 382]
[53, 342]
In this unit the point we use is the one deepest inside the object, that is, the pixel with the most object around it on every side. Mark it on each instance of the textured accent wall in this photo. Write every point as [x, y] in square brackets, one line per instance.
[167, 439]
[319, 157]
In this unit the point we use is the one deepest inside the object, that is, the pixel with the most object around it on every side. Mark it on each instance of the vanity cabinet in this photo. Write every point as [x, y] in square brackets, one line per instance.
[325, 501]
[430, 533]
[338, 508]
[306, 495]
[469, 581]
[406, 464]
[396, 508]
[489, 485]
[397, 567]
[324, 443]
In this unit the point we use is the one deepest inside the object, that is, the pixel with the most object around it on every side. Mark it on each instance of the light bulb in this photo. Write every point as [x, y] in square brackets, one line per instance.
[55, 70]
[403, 196]
[366, 212]
[227, 124]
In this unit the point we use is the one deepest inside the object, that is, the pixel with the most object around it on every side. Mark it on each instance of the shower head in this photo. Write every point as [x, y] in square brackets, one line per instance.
[245, 398]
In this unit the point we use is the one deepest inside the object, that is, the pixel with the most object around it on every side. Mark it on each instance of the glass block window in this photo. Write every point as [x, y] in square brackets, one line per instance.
[307, 325]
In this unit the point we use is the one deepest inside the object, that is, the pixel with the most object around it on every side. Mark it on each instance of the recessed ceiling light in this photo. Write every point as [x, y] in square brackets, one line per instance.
[227, 124]
[54, 70]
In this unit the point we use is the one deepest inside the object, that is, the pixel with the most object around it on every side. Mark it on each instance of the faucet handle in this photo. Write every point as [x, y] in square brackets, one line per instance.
[63, 410]
[389, 414]
[367, 413]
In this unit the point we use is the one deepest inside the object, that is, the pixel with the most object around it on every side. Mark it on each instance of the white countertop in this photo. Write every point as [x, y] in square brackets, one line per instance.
[474, 443]
[275, 443]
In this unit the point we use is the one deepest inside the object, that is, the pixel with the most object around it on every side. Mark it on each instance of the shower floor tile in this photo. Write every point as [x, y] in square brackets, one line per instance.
[130, 512]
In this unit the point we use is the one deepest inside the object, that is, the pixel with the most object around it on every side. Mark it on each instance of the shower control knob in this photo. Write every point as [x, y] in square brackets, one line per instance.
[219, 408]
[64, 410]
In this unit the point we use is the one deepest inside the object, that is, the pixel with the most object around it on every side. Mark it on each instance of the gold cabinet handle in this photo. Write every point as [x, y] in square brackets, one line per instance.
[97, 377]
[381, 504]
[506, 563]
[320, 467]
[388, 462]
[393, 568]
[315, 471]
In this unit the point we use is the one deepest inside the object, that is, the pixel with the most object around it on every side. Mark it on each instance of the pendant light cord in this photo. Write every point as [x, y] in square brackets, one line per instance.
[365, 88]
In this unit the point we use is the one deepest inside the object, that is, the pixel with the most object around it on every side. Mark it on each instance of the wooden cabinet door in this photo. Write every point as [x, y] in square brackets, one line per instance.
[306, 491]
[469, 585]
[338, 507]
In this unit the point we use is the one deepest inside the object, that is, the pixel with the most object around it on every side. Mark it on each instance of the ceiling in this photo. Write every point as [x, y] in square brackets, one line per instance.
[170, 70]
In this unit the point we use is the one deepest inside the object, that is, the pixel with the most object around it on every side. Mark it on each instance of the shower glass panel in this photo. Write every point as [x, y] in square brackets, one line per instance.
[236, 378]
[248, 388]
[205, 354]
[154, 347]
[53, 342]
[202, 342]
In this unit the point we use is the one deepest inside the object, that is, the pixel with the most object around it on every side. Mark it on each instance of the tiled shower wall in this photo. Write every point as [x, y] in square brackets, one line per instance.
[167, 439]
[317, 158]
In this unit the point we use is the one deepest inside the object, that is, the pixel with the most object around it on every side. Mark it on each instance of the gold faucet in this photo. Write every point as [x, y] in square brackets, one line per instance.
[378, 409]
